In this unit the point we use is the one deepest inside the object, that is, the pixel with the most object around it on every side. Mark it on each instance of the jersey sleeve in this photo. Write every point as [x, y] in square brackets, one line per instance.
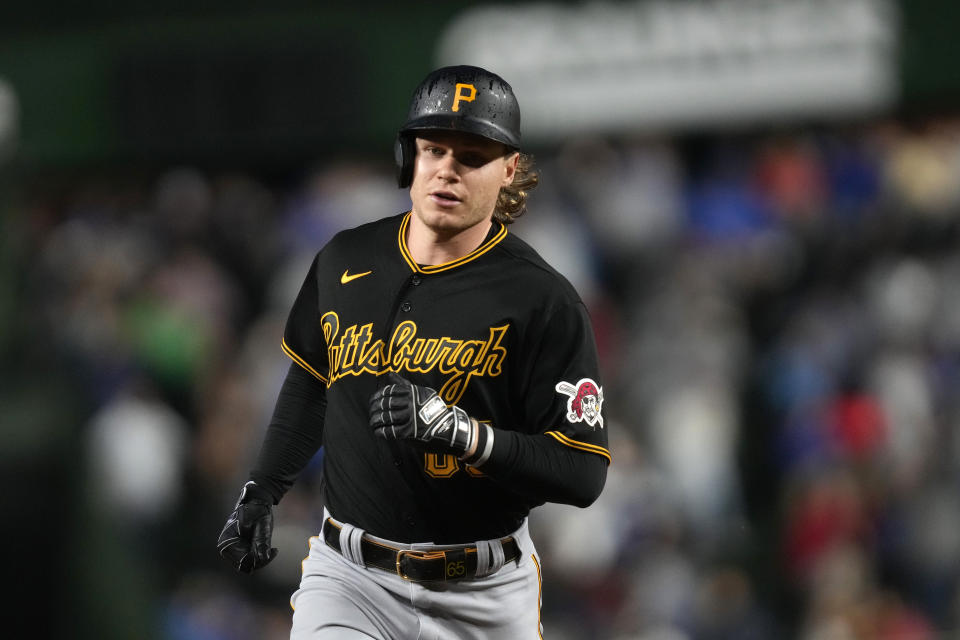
[564, 393]
[303, 338]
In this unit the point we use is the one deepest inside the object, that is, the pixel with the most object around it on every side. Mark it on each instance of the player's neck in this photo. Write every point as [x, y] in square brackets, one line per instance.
[429, 246]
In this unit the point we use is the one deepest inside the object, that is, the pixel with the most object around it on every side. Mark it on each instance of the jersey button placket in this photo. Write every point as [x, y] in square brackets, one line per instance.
[415, 281]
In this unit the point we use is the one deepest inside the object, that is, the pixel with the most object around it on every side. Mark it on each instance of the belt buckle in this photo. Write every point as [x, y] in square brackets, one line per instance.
[427, 555]
[400, 554]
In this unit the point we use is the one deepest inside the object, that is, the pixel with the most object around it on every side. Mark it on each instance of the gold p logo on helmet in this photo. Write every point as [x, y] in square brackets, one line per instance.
[460, 95]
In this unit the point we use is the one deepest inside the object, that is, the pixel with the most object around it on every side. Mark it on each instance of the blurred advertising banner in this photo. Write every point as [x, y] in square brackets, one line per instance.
[669, 65]
[9, 119]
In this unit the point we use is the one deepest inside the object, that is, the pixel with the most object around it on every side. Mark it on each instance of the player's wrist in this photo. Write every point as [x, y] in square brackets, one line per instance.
[472, 431]
[482, 444]
[252, 492]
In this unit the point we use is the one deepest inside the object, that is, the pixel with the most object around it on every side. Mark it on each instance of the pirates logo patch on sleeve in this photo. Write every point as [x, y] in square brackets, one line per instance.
[584, 401]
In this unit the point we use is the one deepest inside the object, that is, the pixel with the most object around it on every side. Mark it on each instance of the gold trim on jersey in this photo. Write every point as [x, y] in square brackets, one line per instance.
[300, 361]
[436, 268]
[582, 446]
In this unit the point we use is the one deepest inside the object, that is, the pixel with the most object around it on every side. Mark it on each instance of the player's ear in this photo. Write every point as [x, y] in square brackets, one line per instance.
[510, 168]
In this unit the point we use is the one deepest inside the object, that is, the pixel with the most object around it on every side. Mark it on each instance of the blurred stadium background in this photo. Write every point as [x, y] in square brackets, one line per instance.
[759, 202]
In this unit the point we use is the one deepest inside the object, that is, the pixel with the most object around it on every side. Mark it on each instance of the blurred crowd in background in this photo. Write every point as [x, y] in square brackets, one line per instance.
[778, 316]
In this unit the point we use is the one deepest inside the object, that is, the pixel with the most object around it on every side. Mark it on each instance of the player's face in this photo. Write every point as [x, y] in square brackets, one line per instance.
[457, 178]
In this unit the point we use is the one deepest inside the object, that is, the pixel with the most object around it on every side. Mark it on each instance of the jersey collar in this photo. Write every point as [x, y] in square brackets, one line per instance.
[497, 233]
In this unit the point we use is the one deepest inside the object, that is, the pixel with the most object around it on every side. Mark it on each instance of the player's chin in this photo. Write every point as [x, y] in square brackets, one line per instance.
[446, 220]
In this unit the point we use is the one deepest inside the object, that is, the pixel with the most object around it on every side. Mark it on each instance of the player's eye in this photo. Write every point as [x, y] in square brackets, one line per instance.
[472, 159]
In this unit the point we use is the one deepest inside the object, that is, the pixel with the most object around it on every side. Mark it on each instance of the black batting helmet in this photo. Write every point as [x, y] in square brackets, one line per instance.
[461, 98]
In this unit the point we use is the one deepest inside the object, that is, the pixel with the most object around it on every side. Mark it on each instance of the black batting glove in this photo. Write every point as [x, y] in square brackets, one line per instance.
[245, 539]
[405, 411]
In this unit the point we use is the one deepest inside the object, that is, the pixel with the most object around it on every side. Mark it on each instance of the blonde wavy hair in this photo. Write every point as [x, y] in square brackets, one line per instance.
[512, 201]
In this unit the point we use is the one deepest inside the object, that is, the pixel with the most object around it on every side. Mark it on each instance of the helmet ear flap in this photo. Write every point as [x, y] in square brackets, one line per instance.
[404, 152]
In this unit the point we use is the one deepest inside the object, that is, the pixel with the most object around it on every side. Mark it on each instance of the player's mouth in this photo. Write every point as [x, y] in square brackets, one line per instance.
[446, 199]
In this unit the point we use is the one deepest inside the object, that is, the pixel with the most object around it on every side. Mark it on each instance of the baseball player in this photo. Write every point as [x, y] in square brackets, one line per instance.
[451, 376]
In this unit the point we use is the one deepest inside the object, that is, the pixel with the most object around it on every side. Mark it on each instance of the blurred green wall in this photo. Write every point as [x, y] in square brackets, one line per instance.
[160, 85]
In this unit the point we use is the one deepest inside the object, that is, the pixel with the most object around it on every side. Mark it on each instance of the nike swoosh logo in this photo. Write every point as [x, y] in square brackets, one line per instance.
[347, 277]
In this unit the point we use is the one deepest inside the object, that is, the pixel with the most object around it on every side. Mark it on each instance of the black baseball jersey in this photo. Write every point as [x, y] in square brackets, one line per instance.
[497, 332]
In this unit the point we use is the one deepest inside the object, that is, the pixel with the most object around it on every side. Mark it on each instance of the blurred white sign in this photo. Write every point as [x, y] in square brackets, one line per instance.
[670, 64]
[9, 119]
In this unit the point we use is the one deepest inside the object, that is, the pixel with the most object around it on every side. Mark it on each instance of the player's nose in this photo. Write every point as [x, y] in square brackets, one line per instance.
[448, 167]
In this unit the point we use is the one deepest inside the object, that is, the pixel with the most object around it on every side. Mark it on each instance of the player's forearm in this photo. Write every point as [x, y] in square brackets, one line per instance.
[543, 469]
[295, 432]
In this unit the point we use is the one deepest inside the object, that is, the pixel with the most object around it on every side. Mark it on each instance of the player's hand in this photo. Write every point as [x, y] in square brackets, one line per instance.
[245, 539]
[405, 411]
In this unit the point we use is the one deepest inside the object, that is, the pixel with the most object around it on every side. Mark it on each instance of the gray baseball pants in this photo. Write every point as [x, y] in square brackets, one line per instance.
[341, 599]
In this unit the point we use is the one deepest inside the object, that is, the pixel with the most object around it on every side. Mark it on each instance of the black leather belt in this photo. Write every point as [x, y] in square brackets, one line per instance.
[458, 563]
